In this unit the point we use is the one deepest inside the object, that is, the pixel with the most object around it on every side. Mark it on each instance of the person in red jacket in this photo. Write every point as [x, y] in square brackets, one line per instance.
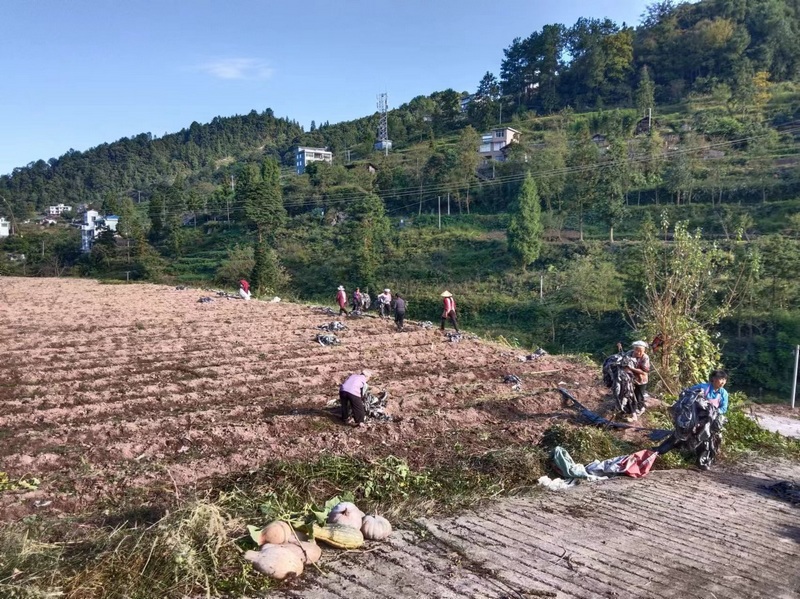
[449, 310]
[341, 299]
[244, 289]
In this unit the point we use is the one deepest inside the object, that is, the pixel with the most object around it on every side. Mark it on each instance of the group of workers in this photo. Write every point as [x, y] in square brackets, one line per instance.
[638, 368]
[633, 364]
[397, 305]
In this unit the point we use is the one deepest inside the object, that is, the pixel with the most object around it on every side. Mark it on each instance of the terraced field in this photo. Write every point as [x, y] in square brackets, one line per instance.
[109, 390]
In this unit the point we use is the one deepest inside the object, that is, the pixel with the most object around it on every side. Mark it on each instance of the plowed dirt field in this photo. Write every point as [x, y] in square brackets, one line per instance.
[113, 389]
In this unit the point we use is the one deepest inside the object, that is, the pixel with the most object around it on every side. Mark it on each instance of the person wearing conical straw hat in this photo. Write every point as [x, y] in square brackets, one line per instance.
[449, 312]
[341, 299]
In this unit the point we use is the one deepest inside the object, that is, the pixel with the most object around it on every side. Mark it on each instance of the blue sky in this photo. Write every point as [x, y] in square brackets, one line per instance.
[82, 72]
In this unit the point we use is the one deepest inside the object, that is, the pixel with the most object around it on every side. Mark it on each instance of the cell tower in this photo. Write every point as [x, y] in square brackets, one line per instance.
[383, 143]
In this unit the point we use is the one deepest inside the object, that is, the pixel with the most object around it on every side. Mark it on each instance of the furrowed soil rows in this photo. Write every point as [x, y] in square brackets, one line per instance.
[108, 388]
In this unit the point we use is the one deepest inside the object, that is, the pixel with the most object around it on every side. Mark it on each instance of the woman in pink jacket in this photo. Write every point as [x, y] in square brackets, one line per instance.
[449, 311]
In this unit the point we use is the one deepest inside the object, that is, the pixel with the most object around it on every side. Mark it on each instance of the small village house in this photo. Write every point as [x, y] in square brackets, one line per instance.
[304, 156]
[494, 143]
[58, 209]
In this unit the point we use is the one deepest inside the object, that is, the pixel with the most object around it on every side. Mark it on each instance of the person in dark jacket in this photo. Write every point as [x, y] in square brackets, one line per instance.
[399, 311]
[357, 299]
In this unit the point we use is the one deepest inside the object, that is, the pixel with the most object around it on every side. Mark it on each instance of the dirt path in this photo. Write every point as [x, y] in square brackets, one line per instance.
[674, 534]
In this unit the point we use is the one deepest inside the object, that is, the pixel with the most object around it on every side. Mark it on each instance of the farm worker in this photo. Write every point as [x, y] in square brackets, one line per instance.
[357, 299]
[714, 390]
[399, 311]
[639, 374]
[384, 303]
[366, 300]
[352, 393]
[341, 299]
[449, 311]
[244, 289]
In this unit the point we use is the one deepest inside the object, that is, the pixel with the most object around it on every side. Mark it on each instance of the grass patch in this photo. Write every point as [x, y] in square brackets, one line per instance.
[585, 443]
[196, 549]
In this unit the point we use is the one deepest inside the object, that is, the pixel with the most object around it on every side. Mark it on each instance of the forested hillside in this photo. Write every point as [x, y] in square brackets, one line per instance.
[631, 139]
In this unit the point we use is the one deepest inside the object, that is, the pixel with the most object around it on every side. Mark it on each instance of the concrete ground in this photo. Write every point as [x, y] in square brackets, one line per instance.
[788, 427]
[678, 533]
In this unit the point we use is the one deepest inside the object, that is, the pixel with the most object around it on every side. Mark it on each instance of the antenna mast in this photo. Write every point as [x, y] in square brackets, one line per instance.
[383, 143]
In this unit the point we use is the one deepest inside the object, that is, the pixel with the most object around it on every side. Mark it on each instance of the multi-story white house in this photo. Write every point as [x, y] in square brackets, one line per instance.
[57, 210]
[5, 227]
[494, 143]
[93, 225]
[304, 156]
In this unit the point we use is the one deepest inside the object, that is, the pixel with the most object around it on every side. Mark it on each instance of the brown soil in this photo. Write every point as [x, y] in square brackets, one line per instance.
[113, 389]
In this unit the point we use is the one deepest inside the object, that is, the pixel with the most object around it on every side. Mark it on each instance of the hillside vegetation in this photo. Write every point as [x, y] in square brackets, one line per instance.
[219, 201]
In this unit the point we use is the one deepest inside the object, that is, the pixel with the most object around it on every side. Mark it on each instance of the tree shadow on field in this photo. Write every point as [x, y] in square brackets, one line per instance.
[508, 410]
[331, 413]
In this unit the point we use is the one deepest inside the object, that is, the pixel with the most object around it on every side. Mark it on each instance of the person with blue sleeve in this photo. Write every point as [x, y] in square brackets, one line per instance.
[714, 390]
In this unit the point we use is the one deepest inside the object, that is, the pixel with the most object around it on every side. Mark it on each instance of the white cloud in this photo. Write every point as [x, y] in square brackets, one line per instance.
[237, 68]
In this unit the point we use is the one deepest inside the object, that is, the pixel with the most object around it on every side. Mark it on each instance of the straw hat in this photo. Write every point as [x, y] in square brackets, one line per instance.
[386, 290]
[446, 294]
[367, 373]
[340, 288]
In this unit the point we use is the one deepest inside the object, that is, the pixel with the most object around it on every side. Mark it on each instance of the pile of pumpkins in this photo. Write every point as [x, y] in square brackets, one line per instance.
[284, 552]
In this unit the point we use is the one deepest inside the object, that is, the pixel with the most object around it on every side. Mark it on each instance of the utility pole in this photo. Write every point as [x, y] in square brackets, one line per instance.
[439, 198]
[541, 287]
[649, 119]
[448, 203]
[228, 201]
[794, 380]
[419, 172]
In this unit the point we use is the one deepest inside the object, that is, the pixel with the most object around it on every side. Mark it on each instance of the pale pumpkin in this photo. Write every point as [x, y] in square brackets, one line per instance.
[276, 561]
[347, 514]
[277, 533]
[375, 528]
[308, 551]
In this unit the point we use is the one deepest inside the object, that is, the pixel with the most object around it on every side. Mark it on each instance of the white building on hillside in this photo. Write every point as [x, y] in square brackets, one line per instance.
[304, 156]
[494, 143]
[57, 210]
[5, 227]
[93, 225]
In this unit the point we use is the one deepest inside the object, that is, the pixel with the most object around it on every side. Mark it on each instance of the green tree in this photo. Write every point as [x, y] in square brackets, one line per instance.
[688, 287]
[592, 283]
[525, 225]
[266, 275]
[156, 211]
[644, 97]
[238, 265]
[367, 234]
[484, 109]
[260, 194]
[652, 163]
[614, 179]
[581, 188]
[467, 164]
